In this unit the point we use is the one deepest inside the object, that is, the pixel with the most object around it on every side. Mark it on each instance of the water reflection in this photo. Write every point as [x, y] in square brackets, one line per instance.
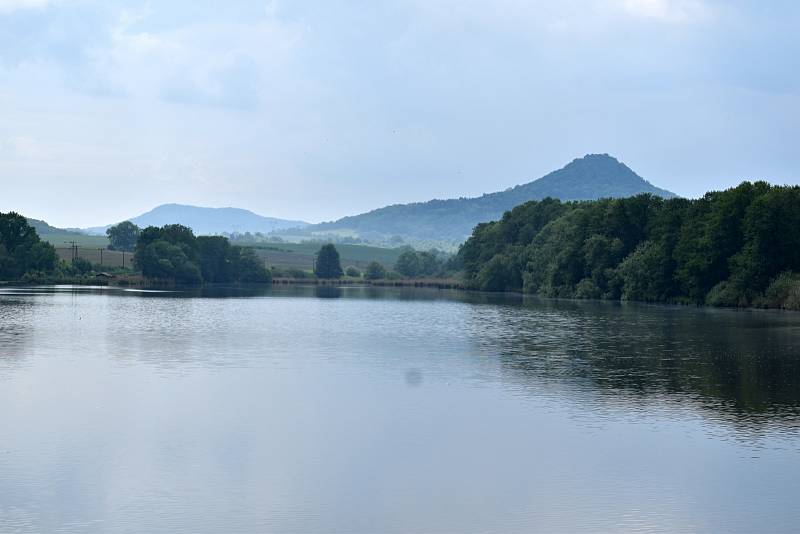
[328, 292]
[736, 362]
[15, 330]
[362, 409]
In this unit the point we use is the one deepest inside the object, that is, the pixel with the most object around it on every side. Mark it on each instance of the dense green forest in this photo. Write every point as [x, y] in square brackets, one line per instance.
[739, 247]
[174, 253]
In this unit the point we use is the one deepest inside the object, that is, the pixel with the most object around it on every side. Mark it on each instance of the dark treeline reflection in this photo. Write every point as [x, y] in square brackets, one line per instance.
[739, 365]
[742, 365]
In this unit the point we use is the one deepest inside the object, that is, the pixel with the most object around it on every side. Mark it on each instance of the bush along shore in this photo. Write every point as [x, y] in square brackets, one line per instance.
[738, 248]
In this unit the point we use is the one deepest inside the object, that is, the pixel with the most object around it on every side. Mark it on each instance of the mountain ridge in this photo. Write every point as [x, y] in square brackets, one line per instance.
[204, 220]
[450, 221]
[588, 178]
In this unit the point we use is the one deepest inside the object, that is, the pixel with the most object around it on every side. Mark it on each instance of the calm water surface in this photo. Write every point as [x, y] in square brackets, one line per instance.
[367, 410]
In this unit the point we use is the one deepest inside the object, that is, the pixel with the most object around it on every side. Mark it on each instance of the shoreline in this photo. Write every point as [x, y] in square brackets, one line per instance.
[139, 282]
[436, 283]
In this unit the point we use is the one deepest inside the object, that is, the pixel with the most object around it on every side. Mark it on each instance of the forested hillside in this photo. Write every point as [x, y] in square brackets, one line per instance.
[737, 247]
[590, 177]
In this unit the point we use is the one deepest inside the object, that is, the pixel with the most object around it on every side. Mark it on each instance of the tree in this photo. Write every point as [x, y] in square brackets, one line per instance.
[353, 272]
[217, 259]
[41, 256]
[173, 252]
[169, 252]
[82, 265]
[21, 250]
[497, 274]
[250, 268]
[328, 264]
[408, 263]
[375, 271]
[123, 236]
[429, 263]
[641, 275]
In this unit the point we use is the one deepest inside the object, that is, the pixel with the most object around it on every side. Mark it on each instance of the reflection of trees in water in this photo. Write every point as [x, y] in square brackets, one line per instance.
[15, 330]
[739, 364]
[327, 292]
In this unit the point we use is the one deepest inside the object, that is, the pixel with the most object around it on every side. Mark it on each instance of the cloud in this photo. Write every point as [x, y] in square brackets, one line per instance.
[449, 98]
[205, 64]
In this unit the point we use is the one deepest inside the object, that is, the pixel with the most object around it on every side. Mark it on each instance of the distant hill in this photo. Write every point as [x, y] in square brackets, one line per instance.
[206, 221]
[588, 178]
[63, 237]
[42, 227]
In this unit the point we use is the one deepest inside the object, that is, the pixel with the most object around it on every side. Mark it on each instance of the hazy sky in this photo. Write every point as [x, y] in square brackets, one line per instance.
[316, 110]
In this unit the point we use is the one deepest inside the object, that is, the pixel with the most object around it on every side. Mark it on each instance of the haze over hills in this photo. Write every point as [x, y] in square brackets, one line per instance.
[208, 221]
[588, 178]
[42, 228]
[436, 222]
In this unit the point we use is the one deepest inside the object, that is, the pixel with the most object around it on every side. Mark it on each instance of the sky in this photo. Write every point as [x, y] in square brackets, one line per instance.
[315, 110]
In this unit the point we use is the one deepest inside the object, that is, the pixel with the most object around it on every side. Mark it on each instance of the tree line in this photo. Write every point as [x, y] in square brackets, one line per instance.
[738, 247]
[410, 264]
[174, 253]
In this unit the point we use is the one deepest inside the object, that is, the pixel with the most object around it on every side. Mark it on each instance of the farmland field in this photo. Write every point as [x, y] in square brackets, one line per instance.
[96, 255]
[282, 255]
[81, 240]
[301, 255]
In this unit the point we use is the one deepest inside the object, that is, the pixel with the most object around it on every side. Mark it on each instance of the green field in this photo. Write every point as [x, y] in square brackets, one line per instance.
[97, 255]
[81, 240]
[301, 255]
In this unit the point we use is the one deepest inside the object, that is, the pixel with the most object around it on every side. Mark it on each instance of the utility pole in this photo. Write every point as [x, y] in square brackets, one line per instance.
[73, 249]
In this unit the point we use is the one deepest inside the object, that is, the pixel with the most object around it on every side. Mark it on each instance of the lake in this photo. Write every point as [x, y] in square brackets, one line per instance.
[304, 409]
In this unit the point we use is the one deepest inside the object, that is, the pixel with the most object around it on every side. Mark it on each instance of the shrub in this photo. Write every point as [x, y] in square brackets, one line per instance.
[587, 289]
[290, 272]
[375, 271]
[82, 265]
[725, 294]
[783, 292]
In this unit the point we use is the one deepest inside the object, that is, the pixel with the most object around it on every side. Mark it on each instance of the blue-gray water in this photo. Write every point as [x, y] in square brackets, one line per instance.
[367, 410]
